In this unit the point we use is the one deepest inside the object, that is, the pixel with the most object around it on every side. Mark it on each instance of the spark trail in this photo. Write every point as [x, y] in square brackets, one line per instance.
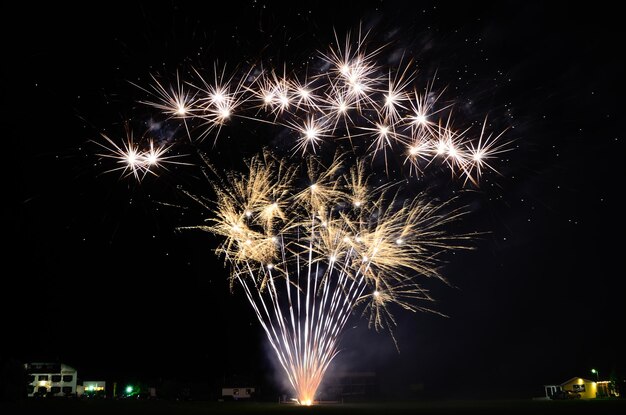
[313, 245]
[308, 254]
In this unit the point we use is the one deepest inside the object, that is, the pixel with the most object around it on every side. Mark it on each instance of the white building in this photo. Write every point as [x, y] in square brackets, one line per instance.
[237, 393]
[92, 388]
[56, 379]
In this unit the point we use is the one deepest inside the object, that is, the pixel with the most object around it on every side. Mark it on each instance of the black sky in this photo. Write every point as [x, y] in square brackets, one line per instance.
[95, 275]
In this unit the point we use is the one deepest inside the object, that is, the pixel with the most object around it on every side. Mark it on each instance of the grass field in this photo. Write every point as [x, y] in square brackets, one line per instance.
[127, 407]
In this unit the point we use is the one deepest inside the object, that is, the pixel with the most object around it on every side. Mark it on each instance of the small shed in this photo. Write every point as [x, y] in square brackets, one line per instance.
[238, 393]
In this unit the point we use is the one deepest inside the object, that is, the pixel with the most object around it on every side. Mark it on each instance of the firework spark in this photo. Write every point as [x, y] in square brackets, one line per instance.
[379, 110]
[137, 158]
[307, 255]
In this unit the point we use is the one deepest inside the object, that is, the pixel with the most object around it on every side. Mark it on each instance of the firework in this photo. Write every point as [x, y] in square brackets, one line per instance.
[137, 158]
[310, 246]
[378, 111]
[308, 253]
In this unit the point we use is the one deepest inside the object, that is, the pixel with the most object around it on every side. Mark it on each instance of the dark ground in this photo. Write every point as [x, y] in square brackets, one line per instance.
[519, 407]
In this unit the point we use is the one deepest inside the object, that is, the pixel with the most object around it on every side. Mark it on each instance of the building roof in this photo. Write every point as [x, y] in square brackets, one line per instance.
[571, 380]
[576, 378]
[46, 367]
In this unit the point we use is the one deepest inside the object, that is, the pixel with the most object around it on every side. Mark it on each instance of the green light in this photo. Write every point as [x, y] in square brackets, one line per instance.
[594, 371]
[129, 389]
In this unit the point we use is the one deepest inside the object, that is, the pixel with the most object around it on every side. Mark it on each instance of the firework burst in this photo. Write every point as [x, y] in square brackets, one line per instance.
[308, 253]
[312, 245]
[137, 158]
[381, 112]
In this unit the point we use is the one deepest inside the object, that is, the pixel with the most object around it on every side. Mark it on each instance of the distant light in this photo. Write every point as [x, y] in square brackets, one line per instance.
[224, 113]
[311, 133]
[357, 203]
[248, 213]
[376, 293]
[270, 266]
[420, 119]
[131, 158]
[180, 109]
[129, 389]
[152, 158]
[441, 148]
[452, 151]
[218, 98]
[399, 241]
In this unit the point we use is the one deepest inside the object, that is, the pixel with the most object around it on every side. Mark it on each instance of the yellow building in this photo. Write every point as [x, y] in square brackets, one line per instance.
[577, 388]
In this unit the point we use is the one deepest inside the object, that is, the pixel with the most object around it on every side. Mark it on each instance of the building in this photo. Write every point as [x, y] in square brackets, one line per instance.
[92, 388]
[577, 388]
[51, 379]
[237, 393]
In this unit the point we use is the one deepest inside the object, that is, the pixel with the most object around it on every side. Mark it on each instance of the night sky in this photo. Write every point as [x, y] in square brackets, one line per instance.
[96, 275]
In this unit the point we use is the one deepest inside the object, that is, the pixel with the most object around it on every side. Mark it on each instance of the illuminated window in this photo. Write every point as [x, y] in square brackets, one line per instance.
[578, 388]
[68, 378]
